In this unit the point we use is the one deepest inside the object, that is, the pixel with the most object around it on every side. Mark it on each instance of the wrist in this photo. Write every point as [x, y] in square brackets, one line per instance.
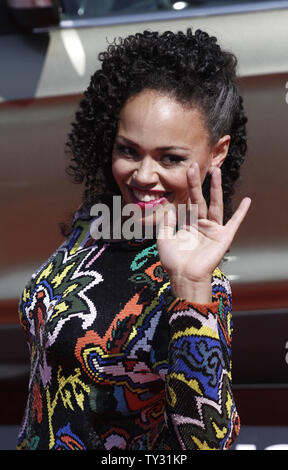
[196, 291]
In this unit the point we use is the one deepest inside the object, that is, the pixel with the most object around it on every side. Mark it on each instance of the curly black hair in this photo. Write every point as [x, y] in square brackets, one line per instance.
[190, 67]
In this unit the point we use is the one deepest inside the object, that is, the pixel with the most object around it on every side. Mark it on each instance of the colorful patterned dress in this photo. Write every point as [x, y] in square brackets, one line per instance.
[117, 362]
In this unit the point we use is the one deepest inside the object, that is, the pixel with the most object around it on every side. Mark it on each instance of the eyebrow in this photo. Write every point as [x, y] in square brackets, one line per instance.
[171, 147]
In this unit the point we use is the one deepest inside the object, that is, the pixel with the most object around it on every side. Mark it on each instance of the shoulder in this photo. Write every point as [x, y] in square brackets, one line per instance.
[82, 213]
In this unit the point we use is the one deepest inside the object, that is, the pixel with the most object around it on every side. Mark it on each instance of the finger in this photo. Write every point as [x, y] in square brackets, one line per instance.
[187, 215]
[237, 218]
[167, 225]
[215, 211]
[195, 190]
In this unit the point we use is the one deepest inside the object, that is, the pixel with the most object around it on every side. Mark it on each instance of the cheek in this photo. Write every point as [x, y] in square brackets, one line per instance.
[118, 169]
[180, 191]
[179, 182]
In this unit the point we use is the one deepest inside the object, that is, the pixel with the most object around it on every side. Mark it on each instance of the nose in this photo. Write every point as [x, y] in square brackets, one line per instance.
[145, 174]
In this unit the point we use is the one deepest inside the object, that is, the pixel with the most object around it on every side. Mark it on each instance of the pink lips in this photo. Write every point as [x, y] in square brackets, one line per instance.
[144, 204]
[153, 203]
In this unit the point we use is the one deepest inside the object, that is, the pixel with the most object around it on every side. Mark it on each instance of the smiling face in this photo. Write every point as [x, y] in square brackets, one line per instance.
[156, 142]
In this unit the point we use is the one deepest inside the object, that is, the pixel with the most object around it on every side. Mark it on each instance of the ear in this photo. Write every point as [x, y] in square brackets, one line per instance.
[219, 152]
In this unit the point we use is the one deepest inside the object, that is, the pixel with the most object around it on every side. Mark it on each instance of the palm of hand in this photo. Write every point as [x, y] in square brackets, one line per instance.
[195, 250]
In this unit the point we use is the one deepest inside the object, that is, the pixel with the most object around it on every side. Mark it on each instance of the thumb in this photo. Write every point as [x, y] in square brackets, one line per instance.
[234, 223]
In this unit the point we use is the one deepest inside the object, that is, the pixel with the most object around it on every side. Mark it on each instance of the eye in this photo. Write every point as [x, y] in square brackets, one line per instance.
[171, 159]
[126, 151]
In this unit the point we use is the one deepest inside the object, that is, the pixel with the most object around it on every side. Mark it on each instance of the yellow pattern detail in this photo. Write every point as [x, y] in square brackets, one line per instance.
[58, 279]
[192, 383]
[60, 308]
[219, 433]
[45, 273]
[133, 333]
[69, 289]
[173, 396]
[218, 273]
[26, 295]
[229, 404]
[192, 331]
[66, 395]
[202, 445]
[163, 288]
[229, 322]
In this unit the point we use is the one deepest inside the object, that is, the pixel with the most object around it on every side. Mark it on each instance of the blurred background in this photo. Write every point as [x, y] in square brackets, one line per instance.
[48, 51]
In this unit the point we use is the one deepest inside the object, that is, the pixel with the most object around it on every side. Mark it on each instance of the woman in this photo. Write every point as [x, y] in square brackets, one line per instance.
[131, 339]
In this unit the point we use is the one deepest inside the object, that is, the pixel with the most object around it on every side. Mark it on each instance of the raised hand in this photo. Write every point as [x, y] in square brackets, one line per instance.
[192, 253]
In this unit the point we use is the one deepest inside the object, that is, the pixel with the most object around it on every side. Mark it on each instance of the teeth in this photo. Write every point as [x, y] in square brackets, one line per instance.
[146, 197]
